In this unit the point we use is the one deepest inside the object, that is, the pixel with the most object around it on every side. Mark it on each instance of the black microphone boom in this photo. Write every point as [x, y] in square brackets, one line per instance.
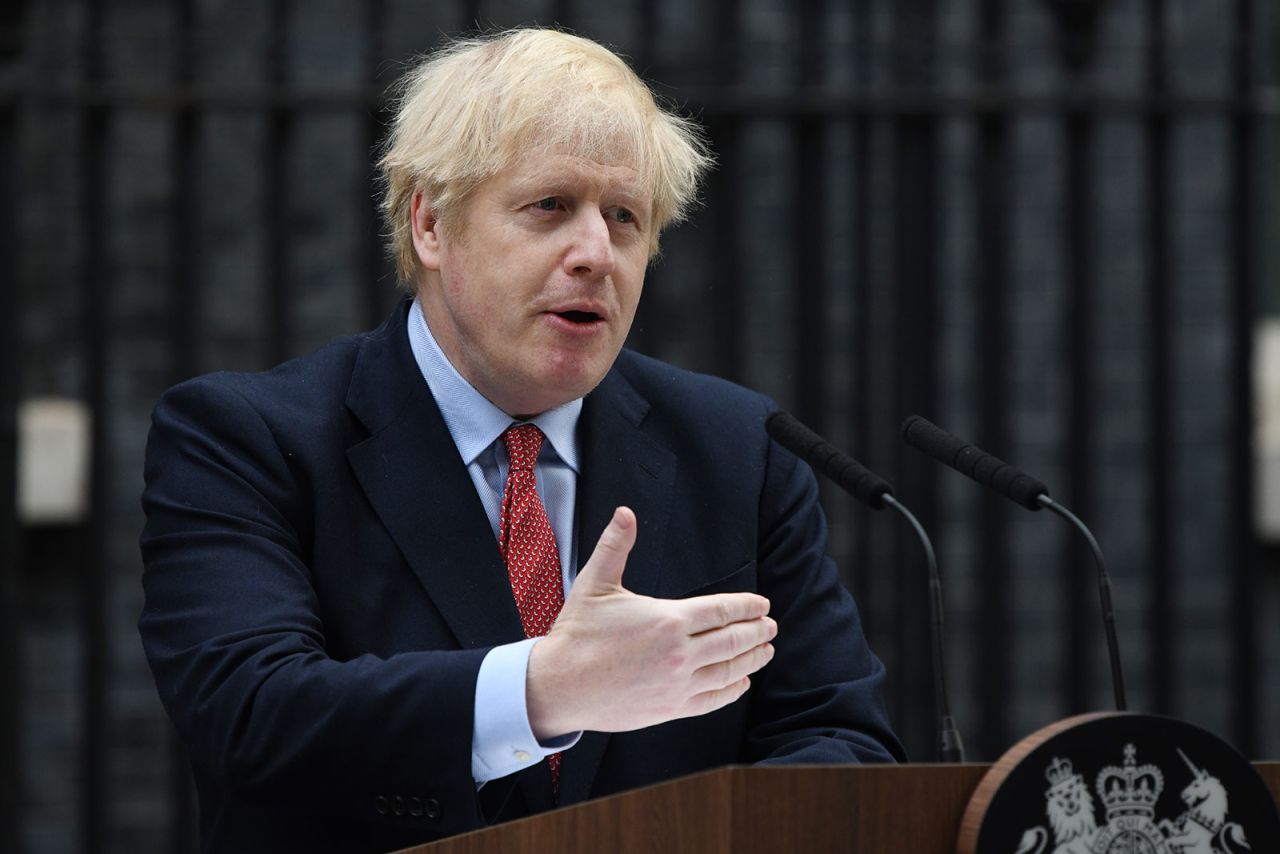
[1023, 489]
[876, 493]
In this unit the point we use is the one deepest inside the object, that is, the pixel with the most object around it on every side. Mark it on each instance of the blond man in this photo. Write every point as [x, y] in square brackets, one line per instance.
[483, 561]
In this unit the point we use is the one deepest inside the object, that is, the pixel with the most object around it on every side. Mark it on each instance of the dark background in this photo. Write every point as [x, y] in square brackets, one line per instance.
[1044, 224]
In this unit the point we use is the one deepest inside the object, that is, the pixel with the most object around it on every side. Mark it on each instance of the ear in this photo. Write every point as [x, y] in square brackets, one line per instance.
[426, 231]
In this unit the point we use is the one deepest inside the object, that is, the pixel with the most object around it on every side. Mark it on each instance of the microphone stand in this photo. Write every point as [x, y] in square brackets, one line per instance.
[1022, 489]
[950, 747]
[1104, 595]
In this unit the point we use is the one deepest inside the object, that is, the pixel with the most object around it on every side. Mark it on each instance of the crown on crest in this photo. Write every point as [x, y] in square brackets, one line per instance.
[1132, 789]
[1059, 770]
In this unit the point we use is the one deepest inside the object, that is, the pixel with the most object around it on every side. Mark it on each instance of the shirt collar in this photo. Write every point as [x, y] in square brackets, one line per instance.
[473, 421]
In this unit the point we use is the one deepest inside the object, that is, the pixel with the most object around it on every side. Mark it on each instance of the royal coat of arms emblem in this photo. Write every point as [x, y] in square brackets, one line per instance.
[1129, 794]
[1121, 783]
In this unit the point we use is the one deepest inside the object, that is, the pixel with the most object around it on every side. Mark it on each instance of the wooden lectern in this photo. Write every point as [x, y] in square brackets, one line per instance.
[744, 810]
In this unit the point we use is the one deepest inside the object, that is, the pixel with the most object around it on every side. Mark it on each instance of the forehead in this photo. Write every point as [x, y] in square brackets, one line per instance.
[564, 171]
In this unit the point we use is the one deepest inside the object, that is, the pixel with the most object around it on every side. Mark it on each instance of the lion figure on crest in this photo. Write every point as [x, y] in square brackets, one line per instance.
[1069, 806]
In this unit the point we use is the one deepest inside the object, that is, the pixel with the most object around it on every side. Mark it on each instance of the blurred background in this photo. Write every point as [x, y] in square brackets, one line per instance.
[1048, 225]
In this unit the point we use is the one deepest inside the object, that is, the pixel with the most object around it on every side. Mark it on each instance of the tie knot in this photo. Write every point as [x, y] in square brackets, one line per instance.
[523, 442]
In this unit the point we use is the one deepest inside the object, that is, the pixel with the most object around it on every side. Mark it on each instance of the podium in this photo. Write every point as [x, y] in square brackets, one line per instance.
[750, 810]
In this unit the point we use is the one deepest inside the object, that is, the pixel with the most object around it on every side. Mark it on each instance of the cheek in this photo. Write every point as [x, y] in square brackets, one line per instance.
[631, 296]
[460, 291]
[628, 277]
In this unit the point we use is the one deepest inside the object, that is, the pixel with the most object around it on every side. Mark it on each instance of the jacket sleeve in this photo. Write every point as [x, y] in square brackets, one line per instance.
[232, 631]
[821, 698]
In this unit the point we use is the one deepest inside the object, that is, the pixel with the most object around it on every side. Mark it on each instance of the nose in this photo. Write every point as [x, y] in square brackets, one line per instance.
[590, 250]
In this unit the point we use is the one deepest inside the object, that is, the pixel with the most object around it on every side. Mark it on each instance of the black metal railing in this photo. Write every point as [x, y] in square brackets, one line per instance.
[858, 254]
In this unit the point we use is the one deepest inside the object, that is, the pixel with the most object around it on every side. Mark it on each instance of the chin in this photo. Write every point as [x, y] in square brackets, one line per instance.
[528, 394]
[573, 376]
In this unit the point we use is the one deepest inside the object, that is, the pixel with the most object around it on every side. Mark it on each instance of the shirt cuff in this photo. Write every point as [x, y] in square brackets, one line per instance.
[502, 741]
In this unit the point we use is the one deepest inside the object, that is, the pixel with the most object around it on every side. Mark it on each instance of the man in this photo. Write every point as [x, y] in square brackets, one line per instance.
[480, 561]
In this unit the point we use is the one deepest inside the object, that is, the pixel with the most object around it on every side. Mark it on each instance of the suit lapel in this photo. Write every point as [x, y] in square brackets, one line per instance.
[624, 465]
[621, 465]
[411, 473]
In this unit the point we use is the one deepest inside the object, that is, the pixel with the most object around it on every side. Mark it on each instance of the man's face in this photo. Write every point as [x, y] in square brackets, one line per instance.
[531, 289]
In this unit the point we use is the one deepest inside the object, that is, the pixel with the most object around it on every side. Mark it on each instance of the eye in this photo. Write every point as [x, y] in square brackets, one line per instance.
[623, 215]
[550, 203]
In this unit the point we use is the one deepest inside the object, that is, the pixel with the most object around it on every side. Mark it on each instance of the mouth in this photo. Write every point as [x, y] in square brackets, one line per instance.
[579, 317]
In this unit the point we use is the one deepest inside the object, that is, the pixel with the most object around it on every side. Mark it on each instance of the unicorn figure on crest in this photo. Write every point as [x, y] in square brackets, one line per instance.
[1203, 827]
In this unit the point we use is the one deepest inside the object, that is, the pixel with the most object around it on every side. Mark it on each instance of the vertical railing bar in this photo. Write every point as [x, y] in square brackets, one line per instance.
[11, 671]
[1160, 563]
[562, 13]
[895, 298]
[807, 218]
[914, 344]
[642, 335]
[1241, 539]
[859, 410]
[186, 284]
[914, 330]
[648, 29]
[728, 288]
[96, 302]
[11, 371]
[1081, 430]
[186, 287]
[644, 52]
[275, 200]
[991, 554]
[379, 275]
[474, 20]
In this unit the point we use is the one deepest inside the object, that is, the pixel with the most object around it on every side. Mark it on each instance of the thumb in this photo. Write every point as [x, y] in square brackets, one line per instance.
[604, 568]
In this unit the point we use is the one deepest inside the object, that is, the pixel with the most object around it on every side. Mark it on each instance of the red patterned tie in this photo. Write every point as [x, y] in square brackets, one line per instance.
[529, 546]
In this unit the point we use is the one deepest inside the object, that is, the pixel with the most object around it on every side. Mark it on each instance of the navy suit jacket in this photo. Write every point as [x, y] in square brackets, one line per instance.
[322, 583]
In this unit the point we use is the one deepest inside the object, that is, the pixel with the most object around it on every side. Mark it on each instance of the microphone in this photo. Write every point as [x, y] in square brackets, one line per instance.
[1021, 488]
[977, 464]
[874, 491]
[849, 474]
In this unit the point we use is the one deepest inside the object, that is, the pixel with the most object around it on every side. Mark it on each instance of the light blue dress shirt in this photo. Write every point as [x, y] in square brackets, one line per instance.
[502, 741]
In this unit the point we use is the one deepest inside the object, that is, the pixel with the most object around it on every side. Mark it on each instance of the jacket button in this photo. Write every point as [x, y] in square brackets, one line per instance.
[397, 805]
[380, 804]
[431, 807]
[415, 807]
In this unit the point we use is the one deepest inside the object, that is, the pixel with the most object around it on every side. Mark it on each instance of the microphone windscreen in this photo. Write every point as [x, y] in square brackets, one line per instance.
[987, 470]
[924, 435]
[825, 458]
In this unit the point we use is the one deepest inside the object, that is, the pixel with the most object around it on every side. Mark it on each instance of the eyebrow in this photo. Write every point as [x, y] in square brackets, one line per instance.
[630, 198]
[556, 185]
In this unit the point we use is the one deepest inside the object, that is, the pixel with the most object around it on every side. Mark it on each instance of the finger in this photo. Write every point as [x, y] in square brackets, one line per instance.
[605, 566]
[721, 609]
[714, 677]
[709, 701]
[730, 641]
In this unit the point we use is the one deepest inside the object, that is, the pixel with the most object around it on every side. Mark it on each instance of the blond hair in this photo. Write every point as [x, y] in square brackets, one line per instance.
[474, 107]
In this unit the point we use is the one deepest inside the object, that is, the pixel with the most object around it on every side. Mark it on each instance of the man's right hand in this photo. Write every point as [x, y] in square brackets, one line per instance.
[616, 661]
